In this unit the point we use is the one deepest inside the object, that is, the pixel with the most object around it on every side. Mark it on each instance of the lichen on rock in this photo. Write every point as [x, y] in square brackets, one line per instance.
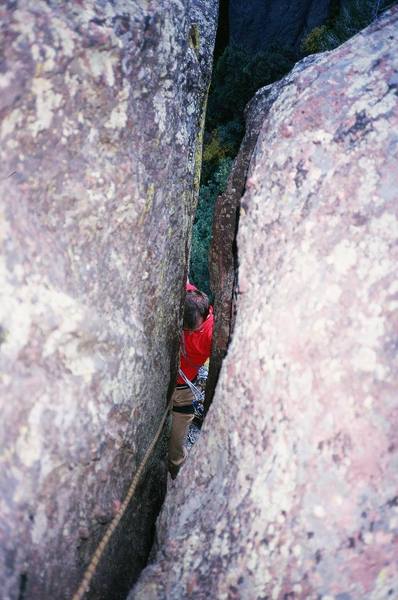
[100, 110]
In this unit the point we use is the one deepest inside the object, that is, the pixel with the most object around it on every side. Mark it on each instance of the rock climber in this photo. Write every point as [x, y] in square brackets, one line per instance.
[195, 348]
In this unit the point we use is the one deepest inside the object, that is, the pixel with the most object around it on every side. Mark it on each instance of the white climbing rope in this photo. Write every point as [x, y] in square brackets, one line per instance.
[198, 394]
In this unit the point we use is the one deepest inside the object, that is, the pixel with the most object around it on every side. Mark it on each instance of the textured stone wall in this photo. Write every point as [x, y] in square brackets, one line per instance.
[291, 490]
[101, 105]
[259, 24]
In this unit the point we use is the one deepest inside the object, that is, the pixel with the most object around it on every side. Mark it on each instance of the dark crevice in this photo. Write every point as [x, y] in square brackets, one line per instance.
[222, 37]
[23, 582]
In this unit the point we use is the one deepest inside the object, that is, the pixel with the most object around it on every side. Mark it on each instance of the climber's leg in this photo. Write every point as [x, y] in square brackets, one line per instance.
[182, 416]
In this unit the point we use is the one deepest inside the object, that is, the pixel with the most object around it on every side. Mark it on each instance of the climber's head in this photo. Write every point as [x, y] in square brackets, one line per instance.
[196, 309]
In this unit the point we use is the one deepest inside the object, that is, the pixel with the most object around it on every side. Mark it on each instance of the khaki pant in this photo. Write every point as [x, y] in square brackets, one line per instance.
[179, 428]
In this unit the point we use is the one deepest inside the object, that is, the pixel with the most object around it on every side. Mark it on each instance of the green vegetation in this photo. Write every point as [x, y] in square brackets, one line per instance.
[201, 233]
[237, 76]
[345, 20]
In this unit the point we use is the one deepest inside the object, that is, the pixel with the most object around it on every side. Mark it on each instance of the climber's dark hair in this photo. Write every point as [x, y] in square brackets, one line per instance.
[196, 305]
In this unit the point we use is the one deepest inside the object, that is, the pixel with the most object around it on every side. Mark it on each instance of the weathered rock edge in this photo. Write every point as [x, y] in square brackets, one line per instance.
[223, 260]
[291, 490]
[101, 105]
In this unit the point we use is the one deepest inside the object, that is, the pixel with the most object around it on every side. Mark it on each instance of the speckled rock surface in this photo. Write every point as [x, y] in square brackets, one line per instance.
[101, 107]
[258, 24]
[291, 490]
[223, 260]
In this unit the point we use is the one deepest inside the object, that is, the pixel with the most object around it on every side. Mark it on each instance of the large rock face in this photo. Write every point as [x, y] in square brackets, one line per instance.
[259, 24]
[291, 491]
[101, 106]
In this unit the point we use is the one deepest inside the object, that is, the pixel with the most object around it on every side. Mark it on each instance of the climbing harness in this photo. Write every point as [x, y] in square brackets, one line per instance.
[198, 394]
[92, 567]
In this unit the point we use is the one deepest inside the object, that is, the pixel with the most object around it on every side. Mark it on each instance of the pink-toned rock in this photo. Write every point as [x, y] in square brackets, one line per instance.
[101, 105]
[292, 489]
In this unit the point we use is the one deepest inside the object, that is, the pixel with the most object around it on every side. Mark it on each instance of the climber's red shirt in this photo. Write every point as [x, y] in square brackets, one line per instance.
[195, 345]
